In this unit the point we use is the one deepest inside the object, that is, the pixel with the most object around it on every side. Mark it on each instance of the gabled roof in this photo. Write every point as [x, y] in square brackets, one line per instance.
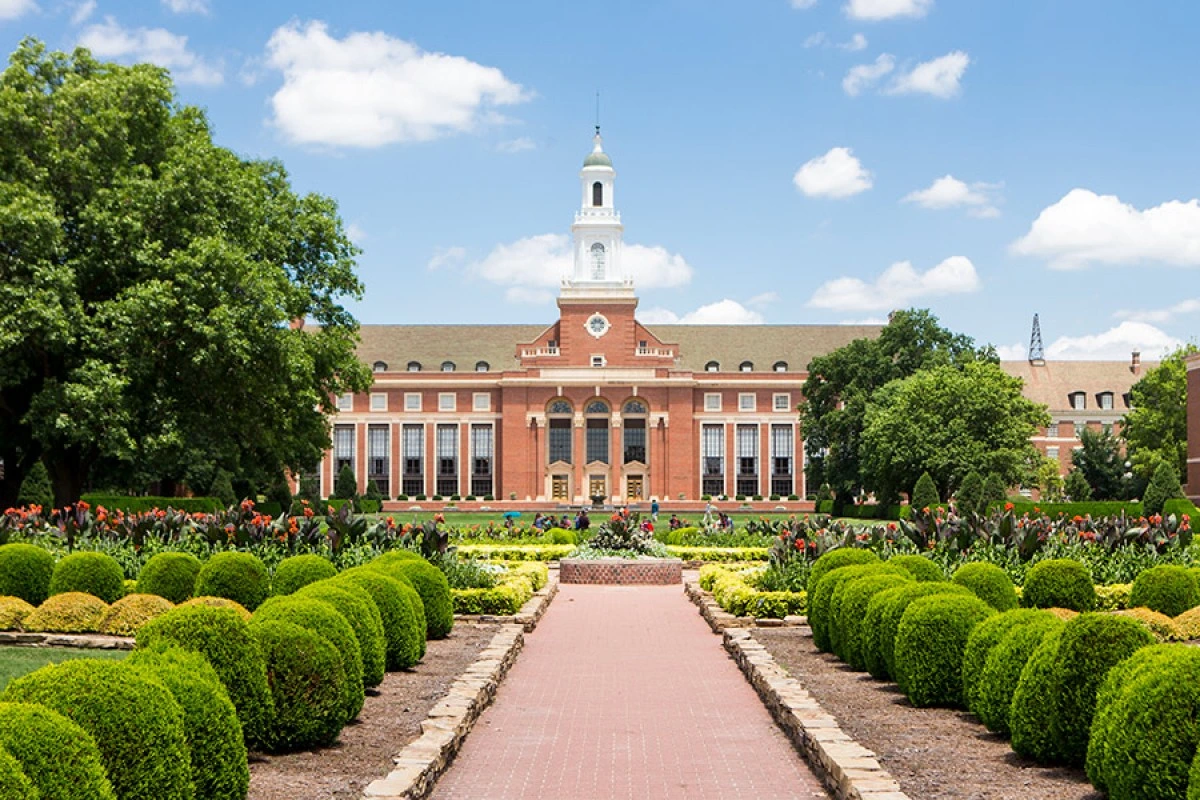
[465, 345]
[1054, 382]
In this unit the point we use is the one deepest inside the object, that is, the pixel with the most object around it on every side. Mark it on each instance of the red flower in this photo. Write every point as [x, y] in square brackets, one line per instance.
[1008, 506]
[799, 544]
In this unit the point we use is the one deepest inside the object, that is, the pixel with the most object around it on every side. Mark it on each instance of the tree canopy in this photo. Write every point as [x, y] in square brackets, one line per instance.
[949, 421]
[1155, 429]
[147, 281]
[1098, 459]
[841, 384]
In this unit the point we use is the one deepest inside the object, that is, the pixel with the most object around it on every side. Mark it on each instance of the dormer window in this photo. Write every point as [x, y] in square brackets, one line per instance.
[597, 194]
[448, 366]
[1127, 399]
[746, 366]
[1105, 399]
[414, 366]
[379, 366]
[1078, 400]
[482, 366]
[712, 366]
[780, 366]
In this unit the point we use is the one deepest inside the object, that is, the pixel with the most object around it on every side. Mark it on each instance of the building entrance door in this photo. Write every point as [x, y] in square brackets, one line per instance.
[634, 487]
[559, 488]
[597, 486]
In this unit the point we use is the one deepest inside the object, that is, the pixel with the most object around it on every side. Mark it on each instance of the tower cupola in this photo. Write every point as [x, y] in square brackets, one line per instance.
[597, 230]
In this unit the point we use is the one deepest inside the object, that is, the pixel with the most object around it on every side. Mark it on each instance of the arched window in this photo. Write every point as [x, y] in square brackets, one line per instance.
[560, 426]
[746, 366]
[780, 366]
[379, 366]
[597, 194]
[448, 366]
[596, 432]
[559, 407]
[414, 366]
[598, 260]
[712, 366]
[482, 366]
[596, 407]
[635, 407]
[633, 433]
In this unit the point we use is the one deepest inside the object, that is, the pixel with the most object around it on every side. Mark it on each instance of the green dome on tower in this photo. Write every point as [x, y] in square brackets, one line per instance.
[597, 158]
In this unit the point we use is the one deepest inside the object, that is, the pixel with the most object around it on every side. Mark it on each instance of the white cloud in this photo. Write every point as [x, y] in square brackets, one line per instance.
[864, 76]
[897, 286]
[83, 11]
[802, 4]
[722, 312]
[940, 77]
[156, 45]
[865, 321]
[1160, 314]
[356, 233]
[857, 42]
[1085, 228]
[12, 9]
[517, 145]
[446, 257]
[1115, 343]
[836, 174]
[819, 39]
[370, 89]
[187, 6]
[1011, 352]
[541, 262]
[949, 192]
[815, 40]
[764, 299]
[875, 10]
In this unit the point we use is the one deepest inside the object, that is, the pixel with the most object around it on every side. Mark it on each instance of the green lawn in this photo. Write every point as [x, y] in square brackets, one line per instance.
[17, 661]
[462, 518]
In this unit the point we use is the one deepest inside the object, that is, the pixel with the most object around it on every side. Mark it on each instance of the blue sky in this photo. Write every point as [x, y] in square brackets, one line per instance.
[780, 161]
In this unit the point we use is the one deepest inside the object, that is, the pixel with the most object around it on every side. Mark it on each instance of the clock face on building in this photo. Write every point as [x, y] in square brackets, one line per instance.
[597, 325]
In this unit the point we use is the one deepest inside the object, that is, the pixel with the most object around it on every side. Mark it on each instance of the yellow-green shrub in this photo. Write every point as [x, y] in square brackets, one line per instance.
[735, 595]
[12, 611]
[1113, 597]
[133, 611]
[1189, 623]
[218, 602]
[70, 612]
[537, 572]
[1162, 626]
[505, 598]
[517, 552]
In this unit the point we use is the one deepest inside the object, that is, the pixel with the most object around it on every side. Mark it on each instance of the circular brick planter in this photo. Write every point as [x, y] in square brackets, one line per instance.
[621, 571]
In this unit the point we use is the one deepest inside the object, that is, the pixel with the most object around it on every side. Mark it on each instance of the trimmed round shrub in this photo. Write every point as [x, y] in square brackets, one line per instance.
[170, 575]
[130, 587]
[395, 556]
[430, 583]
[820, 599]
[209, 601]
[922, 568]
[308, 684]
[1152, 735]
[237, 576]
[355, 604]
[851, 607]
[12, 611]
[1059, 583]
[884, 613]
[1031, 714]
[1162, 626]
[131, 612]
[96, 574]
[1091, 645]
[25, 572]
[930, 643]
[398, 604]
[73, 612]
[14, 785]
[1065, 614]
[1188, 623]
[835, 559]
[135, 720]
[983, 638]
[324, 620]
[1167, 588]
[989, 583]
[214, 736]
[223, 637]
[298, 571]
[58, 757]
[991, 699]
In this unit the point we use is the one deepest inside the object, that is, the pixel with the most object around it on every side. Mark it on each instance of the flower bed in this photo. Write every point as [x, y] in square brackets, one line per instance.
[736, 593]
[514, 588]
[718, 554]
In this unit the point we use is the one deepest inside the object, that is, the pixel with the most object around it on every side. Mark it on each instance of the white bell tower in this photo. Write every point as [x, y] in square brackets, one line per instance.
[597, 233]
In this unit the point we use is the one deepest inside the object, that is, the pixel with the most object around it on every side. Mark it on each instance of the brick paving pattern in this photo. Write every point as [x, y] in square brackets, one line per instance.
[623, 692]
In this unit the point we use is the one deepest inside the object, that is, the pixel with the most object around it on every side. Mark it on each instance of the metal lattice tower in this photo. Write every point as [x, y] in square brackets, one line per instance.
[1037, 353]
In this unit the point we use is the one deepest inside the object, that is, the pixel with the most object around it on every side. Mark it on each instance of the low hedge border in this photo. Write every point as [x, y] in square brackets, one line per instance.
[734, 593]
[516, 552]
[505, 598]
[137, 505]
[718, 554]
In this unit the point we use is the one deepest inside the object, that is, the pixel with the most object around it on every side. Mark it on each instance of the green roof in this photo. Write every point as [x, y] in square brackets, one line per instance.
[597, 160]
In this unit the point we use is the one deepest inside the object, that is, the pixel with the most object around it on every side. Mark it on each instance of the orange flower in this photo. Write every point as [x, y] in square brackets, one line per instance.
[1008, 506]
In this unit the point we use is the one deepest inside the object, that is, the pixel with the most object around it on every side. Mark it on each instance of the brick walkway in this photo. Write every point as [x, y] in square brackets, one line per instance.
[623, 692]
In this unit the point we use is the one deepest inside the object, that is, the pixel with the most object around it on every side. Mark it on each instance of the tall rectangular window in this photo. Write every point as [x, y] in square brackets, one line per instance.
[597, 440]
[747, 459]
[782, 459]
[561, 431]
[1052, 430]
[412, 482]
[481, 460]
[343, 448]
[634, 435]
[377, 458]
[712, 458]
[447, 460]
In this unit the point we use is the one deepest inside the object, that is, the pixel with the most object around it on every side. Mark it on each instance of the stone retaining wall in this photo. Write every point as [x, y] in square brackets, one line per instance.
[657, 571]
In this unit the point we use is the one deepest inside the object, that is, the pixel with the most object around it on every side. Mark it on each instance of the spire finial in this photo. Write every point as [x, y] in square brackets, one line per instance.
[597, 113]
[1037, 353]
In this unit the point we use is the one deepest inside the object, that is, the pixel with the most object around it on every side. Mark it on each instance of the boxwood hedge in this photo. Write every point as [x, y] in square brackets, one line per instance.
[170, 575]
[1030, 718]
[398, 605]
[12, 611]
[59, 757]
[241, 577]
[210, 723]
[820, 598]
[219, 602]
[989, 583]
[308, 684]
[883, 618]
[922, 568]
[223, 637]
[25, 572]
[991, 699]
[73, 612]
[355, 604]
[930, 643]
[850, 606]
[1059, 583]
[97, 574]
[983, 638]
[135, 721]
[298, 571]
[430, 583]
[131, 612]
[14, 785]
[839, 557]
[1167, 588]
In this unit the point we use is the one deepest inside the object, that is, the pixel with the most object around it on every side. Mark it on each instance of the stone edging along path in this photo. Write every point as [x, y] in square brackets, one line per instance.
[849, 770]
[422, 761]
[89, 641]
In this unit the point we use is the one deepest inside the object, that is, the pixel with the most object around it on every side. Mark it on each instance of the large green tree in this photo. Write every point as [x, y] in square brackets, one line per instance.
[841, 383]
[949, 421]
[1155, 429]
[147, 281]
[1100, 461]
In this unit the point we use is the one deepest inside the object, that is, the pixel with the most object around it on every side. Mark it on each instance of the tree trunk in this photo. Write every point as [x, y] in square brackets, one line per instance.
[16, 467]
[68, 471]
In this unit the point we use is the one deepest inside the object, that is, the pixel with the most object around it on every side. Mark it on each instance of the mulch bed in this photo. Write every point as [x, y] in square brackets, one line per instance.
[388, 721]
[934, 753]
